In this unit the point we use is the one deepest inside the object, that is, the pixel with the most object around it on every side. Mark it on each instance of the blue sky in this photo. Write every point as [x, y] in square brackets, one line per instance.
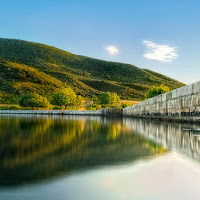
[161, 35]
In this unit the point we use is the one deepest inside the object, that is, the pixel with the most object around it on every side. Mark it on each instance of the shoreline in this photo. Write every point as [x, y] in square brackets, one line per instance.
[52, 112]
[105, 112]
[102, 112]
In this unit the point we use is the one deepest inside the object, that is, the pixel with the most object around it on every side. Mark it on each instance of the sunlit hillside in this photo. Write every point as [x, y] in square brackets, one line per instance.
[32, 67]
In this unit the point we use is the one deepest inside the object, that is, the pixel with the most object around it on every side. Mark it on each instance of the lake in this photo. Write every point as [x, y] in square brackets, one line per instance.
[90, 157]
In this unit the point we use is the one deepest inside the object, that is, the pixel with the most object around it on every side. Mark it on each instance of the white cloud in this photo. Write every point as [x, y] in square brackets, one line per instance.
[112, 50]
[162, 53]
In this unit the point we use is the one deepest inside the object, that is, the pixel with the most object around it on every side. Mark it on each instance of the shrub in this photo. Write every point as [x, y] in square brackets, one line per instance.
[56, 108]
[126, 104]
[65, 97]
[154, 91]
[79, 101]
[10, 108]
[70, 96]
[58, 99]
[108, 98]
[8, 98]
[34, 100]
[93, 107]
[98, 107]
[95, 99]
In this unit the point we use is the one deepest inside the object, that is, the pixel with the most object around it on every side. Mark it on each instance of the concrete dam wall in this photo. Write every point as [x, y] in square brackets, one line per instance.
[182, 104]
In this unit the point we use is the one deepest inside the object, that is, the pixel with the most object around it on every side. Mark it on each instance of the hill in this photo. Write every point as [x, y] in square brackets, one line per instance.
[33, 67]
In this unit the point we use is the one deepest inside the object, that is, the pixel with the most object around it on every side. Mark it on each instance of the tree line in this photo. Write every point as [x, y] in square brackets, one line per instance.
[66, 97]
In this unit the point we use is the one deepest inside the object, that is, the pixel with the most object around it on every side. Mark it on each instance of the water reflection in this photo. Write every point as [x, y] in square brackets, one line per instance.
[34, 148]
[183, 138]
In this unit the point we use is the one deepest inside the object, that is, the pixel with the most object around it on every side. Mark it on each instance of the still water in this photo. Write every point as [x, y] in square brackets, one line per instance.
[83, 158]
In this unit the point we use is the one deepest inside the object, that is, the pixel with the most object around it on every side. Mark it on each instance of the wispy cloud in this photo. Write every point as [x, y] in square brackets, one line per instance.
[112, 50]
[162, 53]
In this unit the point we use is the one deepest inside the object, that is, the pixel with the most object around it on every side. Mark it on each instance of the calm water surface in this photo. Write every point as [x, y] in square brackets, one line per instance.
[72, 157]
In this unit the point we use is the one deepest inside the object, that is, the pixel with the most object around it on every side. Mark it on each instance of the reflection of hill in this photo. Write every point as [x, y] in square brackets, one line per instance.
[40, 147]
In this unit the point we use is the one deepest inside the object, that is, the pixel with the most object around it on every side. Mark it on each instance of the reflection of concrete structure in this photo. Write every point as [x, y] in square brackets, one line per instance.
[179, 104]
[184, 138]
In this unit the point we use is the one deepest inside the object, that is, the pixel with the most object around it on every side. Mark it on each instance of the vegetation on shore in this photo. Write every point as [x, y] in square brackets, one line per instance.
[156, 90]
[66, 98]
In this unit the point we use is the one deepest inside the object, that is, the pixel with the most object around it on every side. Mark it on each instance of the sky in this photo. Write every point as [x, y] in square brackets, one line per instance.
[161, 35]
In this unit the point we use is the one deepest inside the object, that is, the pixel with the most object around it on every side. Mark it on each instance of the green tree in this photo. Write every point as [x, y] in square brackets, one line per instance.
[79, 100]
[108, 98]
[58, 99]
[64, 97]
[104, 98]
[70, 96]
[34, 100]
[114, 98]
[154, 91]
